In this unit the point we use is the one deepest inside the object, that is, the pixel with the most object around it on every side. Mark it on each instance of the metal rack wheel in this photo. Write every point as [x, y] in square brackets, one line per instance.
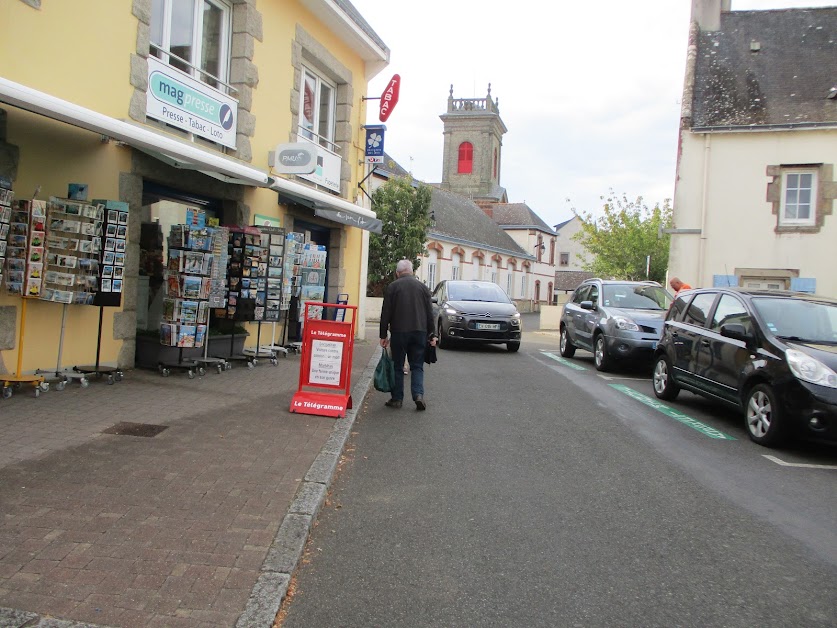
[111, 380]
[251, 365]
[274, 361]
[201, 371]
[228, 366]
[84, 382]
[43, 386]
[37, 392]
[119, 376]
[59, 386]
[165, 372]
[7, 392]
[191, 374]
[220, 368]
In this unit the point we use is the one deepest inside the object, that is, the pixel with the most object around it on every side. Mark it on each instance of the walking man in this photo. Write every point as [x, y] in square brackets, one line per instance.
[408, 315]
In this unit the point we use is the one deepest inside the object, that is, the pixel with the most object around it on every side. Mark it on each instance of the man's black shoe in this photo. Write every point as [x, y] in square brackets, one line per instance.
[393, 403]
[420, 405]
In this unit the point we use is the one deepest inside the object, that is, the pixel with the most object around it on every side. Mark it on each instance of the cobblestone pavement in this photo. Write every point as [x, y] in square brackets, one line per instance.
[171, 530]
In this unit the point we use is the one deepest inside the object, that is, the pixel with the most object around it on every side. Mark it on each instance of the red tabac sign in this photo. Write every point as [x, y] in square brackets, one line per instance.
[390, 97]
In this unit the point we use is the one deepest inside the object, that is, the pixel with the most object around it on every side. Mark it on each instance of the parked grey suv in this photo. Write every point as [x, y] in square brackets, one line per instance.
[615, 320]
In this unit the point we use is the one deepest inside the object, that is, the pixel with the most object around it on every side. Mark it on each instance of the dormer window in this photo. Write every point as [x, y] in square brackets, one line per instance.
[466, 158]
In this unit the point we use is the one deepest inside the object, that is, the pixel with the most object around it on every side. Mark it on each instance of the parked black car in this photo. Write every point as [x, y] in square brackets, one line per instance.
[615, 320]
[772, 354]
[475, 312]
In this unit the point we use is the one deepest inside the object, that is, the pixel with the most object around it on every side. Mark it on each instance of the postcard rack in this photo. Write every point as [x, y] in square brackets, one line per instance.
[108, 270]
[269, 293]
[188, 288]
[246, 275]
[21, 244]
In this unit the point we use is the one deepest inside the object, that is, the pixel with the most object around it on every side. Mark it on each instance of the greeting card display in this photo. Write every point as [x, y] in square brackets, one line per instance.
[73, 246]
[192, 273]
[291, 268]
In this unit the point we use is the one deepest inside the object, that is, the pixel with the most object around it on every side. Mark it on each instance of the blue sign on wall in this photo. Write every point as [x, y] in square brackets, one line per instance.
[375, 144]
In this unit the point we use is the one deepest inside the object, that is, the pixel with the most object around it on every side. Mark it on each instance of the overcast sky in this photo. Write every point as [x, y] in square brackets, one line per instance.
[589, 91]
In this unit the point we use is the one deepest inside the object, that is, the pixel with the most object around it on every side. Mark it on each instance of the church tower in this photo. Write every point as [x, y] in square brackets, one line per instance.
[473, 148]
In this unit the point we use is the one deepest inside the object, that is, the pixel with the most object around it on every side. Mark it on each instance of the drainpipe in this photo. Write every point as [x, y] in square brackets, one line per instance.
[704, 205]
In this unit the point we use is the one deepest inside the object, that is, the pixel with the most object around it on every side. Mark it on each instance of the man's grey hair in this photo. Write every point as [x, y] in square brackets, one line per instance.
[404, 267]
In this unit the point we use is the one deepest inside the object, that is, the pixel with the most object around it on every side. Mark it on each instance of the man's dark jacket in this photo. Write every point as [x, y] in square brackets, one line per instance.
[407, 307]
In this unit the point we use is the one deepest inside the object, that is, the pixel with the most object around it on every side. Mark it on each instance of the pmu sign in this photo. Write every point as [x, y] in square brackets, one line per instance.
[390, 97]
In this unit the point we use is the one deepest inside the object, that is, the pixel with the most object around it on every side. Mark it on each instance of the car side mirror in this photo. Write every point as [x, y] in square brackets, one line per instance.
[587, 305]
[737, 331]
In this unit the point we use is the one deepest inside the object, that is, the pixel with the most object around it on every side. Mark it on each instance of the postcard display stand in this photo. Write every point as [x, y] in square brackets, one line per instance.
[291, 278]
[246, 278]
[80, 270]
[24, 226]
[268, 286]
[189, 283]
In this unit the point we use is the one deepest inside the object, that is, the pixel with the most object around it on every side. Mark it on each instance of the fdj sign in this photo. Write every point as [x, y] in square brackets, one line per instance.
[181, 101]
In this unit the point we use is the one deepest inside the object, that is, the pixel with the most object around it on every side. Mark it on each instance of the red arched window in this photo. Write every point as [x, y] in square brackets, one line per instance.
[466, 158]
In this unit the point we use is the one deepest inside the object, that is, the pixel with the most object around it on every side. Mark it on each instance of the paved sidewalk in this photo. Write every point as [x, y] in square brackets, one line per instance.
[178, 529]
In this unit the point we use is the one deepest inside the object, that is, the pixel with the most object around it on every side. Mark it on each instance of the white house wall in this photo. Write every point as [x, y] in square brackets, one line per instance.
[726, 173]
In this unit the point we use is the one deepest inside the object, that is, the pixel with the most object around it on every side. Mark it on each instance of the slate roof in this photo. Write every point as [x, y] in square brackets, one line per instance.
[390, 168]
[570, 279]
[786, 82]
[461, 220]
[517, 215]
[561, 225]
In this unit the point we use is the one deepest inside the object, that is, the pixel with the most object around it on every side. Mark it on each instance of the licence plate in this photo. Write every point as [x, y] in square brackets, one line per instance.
[493, 326]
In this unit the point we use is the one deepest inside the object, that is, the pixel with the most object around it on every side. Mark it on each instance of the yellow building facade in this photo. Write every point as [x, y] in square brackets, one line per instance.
[176, 114]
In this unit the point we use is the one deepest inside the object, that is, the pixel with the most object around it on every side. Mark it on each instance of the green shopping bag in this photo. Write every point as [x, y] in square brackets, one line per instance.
[385, 373]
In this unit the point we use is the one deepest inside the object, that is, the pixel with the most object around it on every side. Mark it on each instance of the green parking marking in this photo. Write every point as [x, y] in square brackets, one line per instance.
[564, 361]
[685, 419]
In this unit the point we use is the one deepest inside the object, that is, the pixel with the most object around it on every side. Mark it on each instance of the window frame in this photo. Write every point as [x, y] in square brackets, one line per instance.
[313, 134]
[162, 49]
[563, 259]
[465, 158]
[784, 221]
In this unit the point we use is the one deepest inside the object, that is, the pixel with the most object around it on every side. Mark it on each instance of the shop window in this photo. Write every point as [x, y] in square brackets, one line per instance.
[193, 36]
[317, 109]
[466, 158]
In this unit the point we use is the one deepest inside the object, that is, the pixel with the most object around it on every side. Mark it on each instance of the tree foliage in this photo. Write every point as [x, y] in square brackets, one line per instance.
[404, 211]
[623, 237]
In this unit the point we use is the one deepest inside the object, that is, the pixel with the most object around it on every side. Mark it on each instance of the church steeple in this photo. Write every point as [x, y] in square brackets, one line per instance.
[473, 146]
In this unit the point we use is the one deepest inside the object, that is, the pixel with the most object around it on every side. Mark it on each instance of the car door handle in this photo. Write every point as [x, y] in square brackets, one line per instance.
[705, 342]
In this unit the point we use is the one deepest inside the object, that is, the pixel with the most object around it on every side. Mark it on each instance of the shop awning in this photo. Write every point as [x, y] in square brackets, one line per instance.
[327, 206]
[174, 152]
[182, 154]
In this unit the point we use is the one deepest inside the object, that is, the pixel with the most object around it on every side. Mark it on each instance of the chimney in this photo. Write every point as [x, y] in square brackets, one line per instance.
[707, 13]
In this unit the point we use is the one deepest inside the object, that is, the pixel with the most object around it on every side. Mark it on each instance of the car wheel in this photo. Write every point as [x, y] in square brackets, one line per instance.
[567, 347]
[512, 346]
[600, 356]
[664, 387]
[444, 342]
[765, 423]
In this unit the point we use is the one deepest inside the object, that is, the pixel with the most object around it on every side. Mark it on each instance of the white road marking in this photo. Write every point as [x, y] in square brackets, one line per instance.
[799, 464]
[631, 379]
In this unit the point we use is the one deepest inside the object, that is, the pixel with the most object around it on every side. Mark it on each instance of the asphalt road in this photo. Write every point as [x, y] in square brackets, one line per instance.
[533, 493]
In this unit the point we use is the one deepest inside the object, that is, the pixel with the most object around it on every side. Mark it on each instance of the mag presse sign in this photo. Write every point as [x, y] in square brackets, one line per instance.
[177, 99]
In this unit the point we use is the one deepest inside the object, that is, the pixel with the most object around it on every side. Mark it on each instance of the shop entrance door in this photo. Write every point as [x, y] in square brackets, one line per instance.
[314, 234]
